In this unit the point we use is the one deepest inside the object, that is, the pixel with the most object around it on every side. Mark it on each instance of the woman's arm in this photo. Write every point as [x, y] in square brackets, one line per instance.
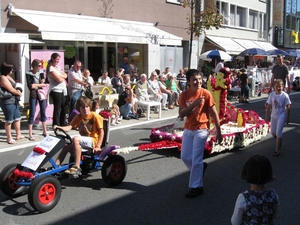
[58, 76]
[5, 83]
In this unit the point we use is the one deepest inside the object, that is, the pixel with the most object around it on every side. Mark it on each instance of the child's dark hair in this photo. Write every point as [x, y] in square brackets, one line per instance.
[94, 104]
[257, 170]
[192, 72]
[82, 102]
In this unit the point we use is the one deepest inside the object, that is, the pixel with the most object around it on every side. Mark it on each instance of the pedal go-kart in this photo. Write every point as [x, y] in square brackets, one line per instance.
[44, 188]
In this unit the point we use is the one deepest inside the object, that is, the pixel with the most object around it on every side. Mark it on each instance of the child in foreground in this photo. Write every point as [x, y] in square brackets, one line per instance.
[91, 133]
[259, 205]
[279, 102]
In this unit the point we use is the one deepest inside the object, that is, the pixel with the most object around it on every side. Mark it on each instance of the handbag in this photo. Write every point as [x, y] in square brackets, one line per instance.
[41, 94]
[4, 94]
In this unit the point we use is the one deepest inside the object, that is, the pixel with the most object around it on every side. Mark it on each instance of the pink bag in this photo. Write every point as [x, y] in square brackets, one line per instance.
[41, 93]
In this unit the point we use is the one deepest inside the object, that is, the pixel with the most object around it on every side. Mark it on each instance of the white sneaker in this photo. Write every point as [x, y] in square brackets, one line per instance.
[113, 124]
[164, 108]
[120, 118]
[118, 122]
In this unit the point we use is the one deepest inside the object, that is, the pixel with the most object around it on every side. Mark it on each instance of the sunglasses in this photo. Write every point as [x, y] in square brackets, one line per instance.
[127, 89]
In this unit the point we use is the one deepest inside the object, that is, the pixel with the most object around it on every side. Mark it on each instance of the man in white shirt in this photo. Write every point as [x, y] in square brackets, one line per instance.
[104, 79]
[219, 65]
[75, 83]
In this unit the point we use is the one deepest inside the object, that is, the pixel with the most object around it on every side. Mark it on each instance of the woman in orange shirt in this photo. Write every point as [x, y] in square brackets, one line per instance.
[196, 104]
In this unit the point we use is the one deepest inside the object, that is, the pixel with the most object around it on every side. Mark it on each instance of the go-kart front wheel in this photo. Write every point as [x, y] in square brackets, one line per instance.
[114, 170]
[7, 179]
[44, 193]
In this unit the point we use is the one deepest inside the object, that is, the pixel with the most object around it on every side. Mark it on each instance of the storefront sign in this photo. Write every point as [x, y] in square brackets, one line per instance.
[84, 37]
[111, 38]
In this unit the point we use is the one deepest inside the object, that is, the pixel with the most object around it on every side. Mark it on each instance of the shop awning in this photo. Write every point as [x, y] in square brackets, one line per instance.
[16, 38]
[246, 43]
[227, 44]
[68, 27]
[265, 45]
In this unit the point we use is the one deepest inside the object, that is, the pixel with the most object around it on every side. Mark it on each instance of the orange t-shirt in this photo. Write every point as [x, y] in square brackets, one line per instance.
[199, 117]
[88, 125]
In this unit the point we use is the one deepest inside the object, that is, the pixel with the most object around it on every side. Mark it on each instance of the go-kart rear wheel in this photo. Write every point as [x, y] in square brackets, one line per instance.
[7, 179]
[114, 170]
[44, 193]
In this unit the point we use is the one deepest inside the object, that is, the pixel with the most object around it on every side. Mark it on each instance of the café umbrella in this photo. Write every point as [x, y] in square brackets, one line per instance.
[294, 53]
[277, 52]
[215, 55]
[254, 51]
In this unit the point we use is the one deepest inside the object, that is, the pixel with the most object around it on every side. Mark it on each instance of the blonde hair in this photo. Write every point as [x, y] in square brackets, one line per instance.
[115, 106]
[86, 71]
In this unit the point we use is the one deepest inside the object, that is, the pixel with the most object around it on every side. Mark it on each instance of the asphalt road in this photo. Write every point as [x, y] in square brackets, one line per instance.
[153, 190]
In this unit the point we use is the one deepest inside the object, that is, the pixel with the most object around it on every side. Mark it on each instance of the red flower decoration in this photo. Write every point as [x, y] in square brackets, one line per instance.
[104, 114]
[24, 174]
[39, 150]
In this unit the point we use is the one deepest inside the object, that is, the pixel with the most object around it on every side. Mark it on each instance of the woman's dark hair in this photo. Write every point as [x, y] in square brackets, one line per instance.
[6, 68]
[192, 72]
[257, 170]
[35, 63]
[82, 102]
[53, 57]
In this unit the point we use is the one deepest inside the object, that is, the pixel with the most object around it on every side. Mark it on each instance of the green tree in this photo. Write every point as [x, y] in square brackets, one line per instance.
[200, 21]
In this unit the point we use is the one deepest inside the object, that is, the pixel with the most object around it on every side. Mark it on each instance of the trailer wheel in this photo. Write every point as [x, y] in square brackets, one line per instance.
[7, 179]
[114, 170]
[44, 193]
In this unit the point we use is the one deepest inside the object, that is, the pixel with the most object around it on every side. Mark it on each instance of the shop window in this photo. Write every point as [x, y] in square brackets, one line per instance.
[253, 19]
[222, 8]
[240, 17]
[232, 15]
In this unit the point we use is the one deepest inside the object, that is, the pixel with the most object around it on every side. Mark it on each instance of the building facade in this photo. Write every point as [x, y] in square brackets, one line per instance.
[101, 32]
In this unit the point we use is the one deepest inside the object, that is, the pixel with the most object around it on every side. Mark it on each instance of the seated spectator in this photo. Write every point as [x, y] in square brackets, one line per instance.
[117, 82]
[126, 80]
[104, 79]
[181, 77]
[87, 77]
[167, 71]
[115, 115]
[172, 86]
[155, 87]
[134, 77]
[163, 89]
[143, 89]
[126, 104]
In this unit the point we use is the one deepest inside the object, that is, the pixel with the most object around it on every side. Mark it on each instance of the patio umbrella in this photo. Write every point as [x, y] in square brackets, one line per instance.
[215, 54]
[294, 53]
[254, 51]
[277, 52]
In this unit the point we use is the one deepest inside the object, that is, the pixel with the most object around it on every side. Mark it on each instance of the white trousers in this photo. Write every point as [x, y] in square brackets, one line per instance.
[193, 142]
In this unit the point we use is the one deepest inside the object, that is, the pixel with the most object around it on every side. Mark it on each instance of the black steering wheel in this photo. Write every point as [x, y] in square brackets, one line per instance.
[66, 136]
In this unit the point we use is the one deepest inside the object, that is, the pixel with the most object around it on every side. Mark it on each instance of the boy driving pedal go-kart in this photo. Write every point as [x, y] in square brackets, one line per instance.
[42, 184]
[91, 133]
